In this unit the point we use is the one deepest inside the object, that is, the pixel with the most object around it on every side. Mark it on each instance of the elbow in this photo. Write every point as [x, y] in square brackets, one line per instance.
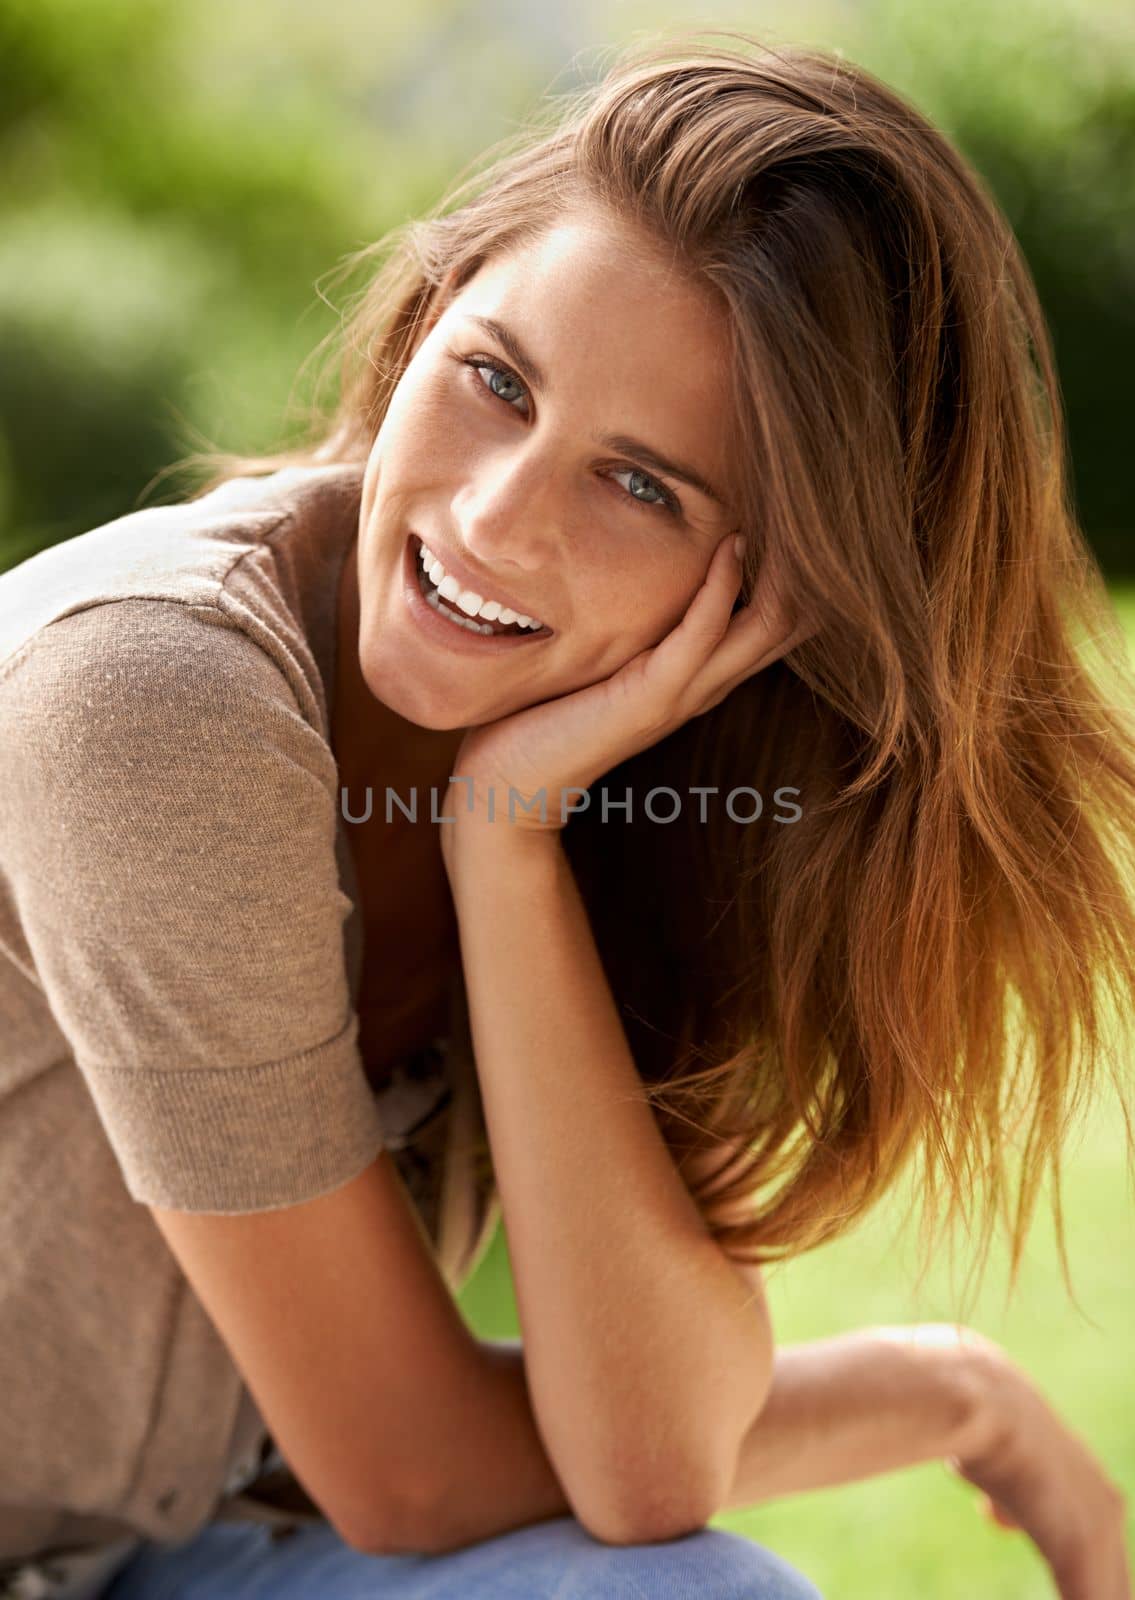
[681, 1500]
[683, 1504]
[407, 1526]
[648, 1497]
[645, 1526]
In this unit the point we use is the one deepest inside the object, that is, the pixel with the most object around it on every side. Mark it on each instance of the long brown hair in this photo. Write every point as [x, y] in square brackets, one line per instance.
[931, 958]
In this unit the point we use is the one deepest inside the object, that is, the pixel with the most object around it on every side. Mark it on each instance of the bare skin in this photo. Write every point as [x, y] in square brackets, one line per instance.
[512, 481]
[515, 486]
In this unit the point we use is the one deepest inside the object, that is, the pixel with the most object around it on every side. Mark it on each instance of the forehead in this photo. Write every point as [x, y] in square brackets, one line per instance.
[578, 272]
[617, 328]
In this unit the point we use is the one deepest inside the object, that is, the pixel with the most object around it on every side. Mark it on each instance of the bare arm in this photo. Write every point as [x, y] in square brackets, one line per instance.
[860, 1404]
[648, 1353]
[839, 1410]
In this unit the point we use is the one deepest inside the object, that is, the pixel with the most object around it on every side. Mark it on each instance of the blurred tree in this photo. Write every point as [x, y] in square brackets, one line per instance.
[1040, 96]
[175, 179]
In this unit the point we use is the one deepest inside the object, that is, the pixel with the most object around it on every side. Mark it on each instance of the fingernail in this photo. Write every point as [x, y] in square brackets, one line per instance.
[738, 546]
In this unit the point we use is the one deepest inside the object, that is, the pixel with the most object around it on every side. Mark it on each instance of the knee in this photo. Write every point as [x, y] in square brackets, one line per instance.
[718, 1565]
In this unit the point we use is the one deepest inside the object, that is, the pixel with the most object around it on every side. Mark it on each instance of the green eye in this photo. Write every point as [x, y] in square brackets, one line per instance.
[481, 364]
[667, 501]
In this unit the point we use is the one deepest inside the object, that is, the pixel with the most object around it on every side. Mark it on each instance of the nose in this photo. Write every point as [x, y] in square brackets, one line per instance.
[505, 512]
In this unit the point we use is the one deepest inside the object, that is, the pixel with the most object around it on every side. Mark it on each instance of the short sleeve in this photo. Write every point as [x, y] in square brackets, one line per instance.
[169, 830]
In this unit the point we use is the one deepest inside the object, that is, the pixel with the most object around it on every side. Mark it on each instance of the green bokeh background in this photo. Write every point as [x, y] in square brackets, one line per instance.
[177, 181]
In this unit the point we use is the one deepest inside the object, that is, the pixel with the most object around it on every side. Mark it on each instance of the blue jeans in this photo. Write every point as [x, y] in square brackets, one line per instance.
[552, 1560]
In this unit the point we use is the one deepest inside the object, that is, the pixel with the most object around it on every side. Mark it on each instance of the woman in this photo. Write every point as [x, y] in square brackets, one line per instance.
[729, 399]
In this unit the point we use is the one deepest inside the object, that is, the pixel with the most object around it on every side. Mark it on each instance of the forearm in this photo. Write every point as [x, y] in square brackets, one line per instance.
[646, 1351]
[859, 1404]
[838, 1410]
[497, 1475]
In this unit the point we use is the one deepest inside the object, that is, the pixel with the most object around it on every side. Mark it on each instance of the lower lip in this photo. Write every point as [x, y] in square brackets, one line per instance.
[449, 633]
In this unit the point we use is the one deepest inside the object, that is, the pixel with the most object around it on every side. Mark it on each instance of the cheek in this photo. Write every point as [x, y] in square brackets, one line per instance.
[668, 599]
[623, 631]
[419, 421]
[438, 448]
[637, 611]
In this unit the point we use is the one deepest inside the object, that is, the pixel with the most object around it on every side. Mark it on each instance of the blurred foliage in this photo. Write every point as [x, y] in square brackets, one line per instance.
[1041, 99]
[175, 181]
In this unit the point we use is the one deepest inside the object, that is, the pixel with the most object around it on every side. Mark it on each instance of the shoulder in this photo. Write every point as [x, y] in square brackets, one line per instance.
[251, 547]
[153, 727]
[140, 667]
[182, 552]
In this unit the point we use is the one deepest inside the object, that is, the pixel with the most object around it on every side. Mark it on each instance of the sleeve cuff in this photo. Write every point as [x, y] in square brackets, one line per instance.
[233, 1140]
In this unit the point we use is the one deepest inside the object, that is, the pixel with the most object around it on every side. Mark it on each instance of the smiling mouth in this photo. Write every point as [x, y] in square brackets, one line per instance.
[453, 613]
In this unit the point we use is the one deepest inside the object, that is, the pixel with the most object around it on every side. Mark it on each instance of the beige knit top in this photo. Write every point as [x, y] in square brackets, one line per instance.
[180, 950]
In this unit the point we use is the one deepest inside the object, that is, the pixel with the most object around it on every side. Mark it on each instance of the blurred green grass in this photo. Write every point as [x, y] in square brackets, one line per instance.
[919, 1530]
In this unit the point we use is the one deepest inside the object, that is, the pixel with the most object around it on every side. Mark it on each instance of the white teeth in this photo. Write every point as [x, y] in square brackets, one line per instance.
[473, 604]
[460, 622]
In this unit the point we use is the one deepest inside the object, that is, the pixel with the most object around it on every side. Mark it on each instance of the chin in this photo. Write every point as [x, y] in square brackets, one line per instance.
[415, 702]
[436, 721]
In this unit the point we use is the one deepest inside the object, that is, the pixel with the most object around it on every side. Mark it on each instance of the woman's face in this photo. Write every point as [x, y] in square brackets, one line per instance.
[506, 463]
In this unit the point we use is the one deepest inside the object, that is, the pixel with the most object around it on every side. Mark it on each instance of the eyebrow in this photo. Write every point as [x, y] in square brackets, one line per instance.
[624, 443]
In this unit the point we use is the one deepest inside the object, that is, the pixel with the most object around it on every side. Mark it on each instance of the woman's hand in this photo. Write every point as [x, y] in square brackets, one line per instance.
[1040, 1477]
[561, 746]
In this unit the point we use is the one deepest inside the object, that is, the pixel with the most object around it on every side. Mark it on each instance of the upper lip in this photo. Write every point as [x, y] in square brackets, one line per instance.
[468, 580]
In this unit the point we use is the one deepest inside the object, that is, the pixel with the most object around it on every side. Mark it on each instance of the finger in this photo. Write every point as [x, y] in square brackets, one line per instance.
[711, 608]
[763, 632]
[710, 621]
[679, 657]
[769, 620]
[711, 650]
